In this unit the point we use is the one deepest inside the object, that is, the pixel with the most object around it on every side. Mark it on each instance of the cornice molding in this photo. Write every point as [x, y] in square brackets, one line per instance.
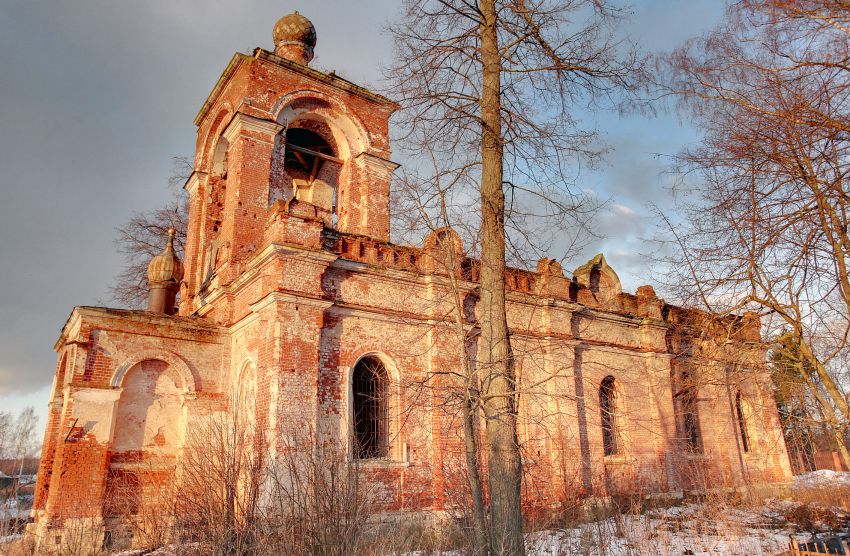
[282, 297]
[195, 180]
[242, 122]
[377, 162]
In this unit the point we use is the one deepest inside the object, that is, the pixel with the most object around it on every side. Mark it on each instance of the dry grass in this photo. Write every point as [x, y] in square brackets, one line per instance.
[831, 495]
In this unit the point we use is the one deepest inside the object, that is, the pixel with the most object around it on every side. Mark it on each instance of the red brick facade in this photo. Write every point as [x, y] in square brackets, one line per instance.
[293, 287]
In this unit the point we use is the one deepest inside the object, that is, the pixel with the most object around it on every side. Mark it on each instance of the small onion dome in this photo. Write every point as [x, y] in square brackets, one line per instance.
[295, 38]
[166, 267]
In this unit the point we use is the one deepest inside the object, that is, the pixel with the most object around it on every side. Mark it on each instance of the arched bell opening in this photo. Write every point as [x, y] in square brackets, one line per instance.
[306, 167]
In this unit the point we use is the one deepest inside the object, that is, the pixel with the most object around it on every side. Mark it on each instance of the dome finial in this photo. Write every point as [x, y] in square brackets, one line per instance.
[295, 38]
[164, 274]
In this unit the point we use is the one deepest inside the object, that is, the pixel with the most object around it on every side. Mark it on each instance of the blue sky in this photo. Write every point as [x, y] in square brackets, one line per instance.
[98, 96]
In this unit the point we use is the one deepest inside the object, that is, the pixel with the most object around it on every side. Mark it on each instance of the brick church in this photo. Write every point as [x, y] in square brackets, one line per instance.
[293, 297]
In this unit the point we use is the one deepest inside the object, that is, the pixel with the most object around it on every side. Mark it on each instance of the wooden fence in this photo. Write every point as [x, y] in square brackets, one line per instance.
[834, 545]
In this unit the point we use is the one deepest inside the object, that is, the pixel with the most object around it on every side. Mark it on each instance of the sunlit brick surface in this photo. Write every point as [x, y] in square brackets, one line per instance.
[299, 294]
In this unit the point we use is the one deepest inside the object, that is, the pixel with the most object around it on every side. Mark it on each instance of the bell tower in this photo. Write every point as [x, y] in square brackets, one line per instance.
[284, 152]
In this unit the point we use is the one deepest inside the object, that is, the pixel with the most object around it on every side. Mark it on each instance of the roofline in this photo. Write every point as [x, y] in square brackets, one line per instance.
[219, 85]
[82, 311]
[262, 54]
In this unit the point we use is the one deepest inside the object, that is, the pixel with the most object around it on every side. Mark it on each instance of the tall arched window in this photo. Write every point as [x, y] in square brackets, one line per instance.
[742, 422]
[370, 391]
[608, 407]
[689, 412]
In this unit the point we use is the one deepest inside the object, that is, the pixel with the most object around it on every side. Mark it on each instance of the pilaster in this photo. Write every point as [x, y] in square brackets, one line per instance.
[374, 217]
[251, 141]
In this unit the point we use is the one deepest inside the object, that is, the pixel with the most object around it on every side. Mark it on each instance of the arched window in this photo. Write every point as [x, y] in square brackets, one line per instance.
[306, 153]
[219, 160]
[370, 390]
[742, 422]
[689, 413]
[609, 410]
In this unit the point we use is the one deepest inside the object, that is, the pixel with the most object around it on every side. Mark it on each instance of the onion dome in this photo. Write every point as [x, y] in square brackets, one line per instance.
[166, 267]
[295, 38]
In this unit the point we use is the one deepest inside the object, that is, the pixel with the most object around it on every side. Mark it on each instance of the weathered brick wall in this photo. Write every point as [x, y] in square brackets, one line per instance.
[287, 307]
[112, 368]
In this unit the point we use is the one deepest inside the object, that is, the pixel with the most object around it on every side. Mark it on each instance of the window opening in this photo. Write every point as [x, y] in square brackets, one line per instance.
[742, 423]
[689, 414]
[306, 152]
[371, 409]
[608, 407]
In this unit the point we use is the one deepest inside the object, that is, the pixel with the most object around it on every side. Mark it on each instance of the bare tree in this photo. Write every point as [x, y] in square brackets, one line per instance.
[221, 474]
[18, 444]
[6, 426]
[316, 501]
[143, 236]
[766, 222]
[491, 86]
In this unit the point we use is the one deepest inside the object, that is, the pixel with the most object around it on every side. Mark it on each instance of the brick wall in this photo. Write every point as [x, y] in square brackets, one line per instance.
[294, 304]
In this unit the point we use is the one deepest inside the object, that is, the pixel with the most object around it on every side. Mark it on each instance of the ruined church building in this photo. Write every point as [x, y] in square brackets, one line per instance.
[294, 303]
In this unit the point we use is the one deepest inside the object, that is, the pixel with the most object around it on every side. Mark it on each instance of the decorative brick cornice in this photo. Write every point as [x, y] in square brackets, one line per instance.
[376, 162]
[242, 122]
[282, 297]
[195, 180]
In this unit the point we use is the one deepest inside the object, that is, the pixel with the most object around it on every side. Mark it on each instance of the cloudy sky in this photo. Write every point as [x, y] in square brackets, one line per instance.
[96, 97]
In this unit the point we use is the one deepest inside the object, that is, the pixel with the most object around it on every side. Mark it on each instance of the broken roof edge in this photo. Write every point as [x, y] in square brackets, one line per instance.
[265, 55]
[229, 70]
[79, 311]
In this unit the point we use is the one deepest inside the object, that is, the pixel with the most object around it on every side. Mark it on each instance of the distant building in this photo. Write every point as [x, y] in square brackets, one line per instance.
[294, 301]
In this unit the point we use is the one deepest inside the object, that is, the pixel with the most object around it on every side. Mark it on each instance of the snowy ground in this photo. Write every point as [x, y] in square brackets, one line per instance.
[711, 528]
[825, 478]
[15, 509]
[678, 530]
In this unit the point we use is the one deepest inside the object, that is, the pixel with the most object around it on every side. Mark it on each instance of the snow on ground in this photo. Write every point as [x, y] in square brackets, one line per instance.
[687, 529]
[15, 509]
[687, 532]
[824, 478]
[10, 538]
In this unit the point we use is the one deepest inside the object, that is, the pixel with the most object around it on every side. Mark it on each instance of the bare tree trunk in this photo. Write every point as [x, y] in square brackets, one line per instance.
[470, 405]
[831, 388]
[829, 415]
[479, 522]
[504, 464]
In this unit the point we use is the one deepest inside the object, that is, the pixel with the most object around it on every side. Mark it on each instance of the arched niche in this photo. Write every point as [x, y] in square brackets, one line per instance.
[218, 166]
[244, 395]
[149, 409]
[187, 377]
[62, 378]
[204, 156]
[212, 215]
